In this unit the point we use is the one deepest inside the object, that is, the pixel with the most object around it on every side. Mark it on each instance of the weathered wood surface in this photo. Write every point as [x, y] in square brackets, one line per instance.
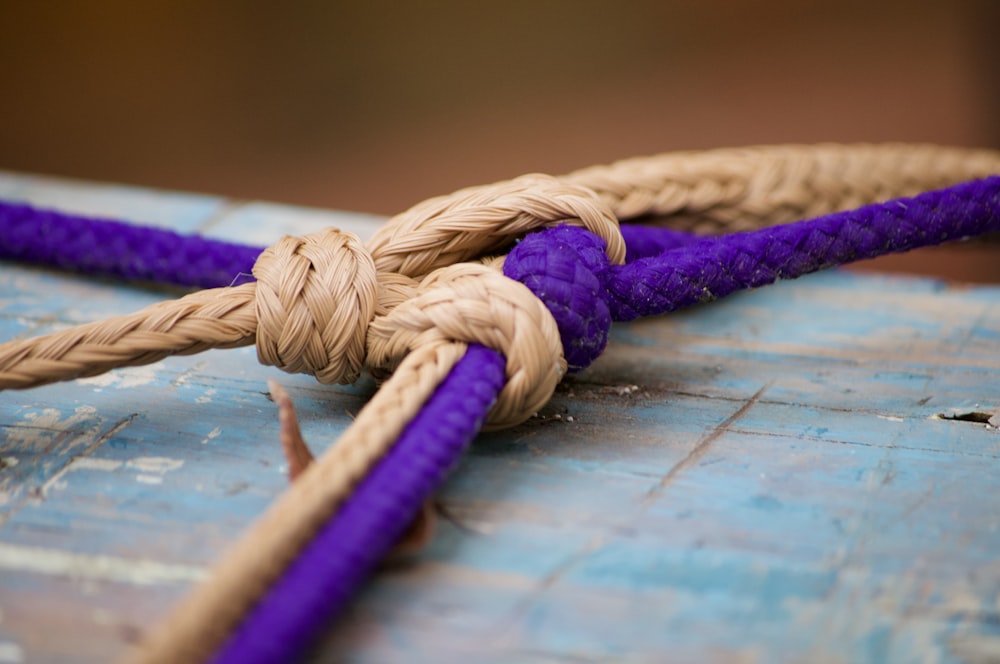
[759, 480]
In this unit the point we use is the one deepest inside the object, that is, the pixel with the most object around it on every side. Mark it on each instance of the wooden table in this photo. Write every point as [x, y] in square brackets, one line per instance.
[769, 478]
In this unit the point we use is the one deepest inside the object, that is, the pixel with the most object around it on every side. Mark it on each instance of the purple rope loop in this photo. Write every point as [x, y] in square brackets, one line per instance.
[566, 269]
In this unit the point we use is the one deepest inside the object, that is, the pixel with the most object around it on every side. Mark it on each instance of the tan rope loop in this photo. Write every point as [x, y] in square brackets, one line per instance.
[474, 304]
[315, 297]
[478, 220]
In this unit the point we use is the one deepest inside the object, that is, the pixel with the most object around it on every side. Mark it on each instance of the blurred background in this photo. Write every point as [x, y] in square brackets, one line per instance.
[374, 106]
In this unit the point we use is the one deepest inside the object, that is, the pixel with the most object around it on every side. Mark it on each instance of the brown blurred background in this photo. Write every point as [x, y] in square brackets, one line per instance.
[374, 106]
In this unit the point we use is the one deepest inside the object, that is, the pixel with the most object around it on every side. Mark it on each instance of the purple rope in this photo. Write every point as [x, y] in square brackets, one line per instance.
[108, 248]
[321, 580]
[567, 269]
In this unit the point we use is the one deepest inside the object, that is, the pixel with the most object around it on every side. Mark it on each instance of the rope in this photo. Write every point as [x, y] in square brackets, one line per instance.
[110, 248]
[329, 306]
[567, 269]
[540, 261]
[738, 189]
[289, 616]
[311, 306]
[708, 192]
[206, 616]
[325, 575]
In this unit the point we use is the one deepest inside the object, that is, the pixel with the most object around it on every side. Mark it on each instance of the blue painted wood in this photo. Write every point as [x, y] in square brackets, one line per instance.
[762, 479]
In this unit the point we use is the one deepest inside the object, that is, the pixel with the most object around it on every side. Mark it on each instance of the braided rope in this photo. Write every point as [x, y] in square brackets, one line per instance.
[202, 621]
[708, 192]
[738, 189]
[397, 301]
[328, 571]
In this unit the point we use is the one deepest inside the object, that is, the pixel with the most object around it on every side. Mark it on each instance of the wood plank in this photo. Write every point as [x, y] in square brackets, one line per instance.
[766, 478]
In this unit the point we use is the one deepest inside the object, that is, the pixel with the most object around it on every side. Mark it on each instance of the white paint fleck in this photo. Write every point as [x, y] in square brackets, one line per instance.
[213, 434]
[123, 379]
[157, 465]
[149, 479]
[8, 461]
[207, 397]
[890, 418]
[91, 463]
[11, 653]
[88, 567]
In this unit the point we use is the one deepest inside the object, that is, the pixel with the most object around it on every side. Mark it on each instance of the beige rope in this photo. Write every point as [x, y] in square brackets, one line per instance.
[314, 296]
[299, 327]
[735, 189]
[325, 305]
[216, 318]
[471, 303]
[200, 623]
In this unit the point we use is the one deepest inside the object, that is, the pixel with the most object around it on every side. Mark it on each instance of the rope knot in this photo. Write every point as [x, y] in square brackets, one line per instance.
[565, 267]
[315, 297]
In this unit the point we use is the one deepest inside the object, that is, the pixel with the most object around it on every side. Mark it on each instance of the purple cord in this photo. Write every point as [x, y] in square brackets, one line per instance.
[108, 248]
[321, 580]
[566, 267]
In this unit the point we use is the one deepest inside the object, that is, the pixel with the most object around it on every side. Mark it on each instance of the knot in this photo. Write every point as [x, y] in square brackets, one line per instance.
[473, 304]
[315, 297]
[566, 268]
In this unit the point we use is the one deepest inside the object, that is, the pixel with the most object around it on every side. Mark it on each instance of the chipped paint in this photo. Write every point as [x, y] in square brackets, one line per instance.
[207, 396]
[159, 465]
[212, 435]
[124, 379]
[36, 426]
[85, 567]
[149, 479]
[93, 463]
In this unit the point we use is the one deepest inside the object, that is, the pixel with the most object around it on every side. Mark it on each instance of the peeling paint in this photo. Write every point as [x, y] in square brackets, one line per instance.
[158, 465]
[207, 397]
[123, 379]
[213, 434]
[91, 463]
[37, 427]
